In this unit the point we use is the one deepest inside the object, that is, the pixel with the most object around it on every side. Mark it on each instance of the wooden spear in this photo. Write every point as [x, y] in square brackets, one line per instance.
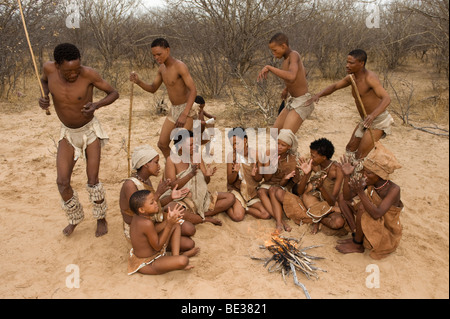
[32, 54]
[129, 129]
[362, 106]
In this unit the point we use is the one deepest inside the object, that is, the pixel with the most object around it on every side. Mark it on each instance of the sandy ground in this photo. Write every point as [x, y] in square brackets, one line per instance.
[34, 253]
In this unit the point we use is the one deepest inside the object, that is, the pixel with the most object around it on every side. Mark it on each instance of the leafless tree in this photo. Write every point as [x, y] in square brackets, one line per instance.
[433, 23]
[113, 28]
[15, 60]
[241, 28]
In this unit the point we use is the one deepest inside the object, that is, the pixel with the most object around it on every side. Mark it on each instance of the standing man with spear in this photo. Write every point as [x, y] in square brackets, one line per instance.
[371, 100]
[71, 86]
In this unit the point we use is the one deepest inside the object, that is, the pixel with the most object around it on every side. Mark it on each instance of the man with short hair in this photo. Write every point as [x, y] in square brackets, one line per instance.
[298, 104]
[180, 88]
[375, 100]
[71, 85]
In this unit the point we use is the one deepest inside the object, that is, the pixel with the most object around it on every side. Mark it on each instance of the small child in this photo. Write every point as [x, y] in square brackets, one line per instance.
[148, 255]
[202, 114]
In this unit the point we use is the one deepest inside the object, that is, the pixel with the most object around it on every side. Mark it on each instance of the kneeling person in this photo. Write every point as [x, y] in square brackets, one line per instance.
[375, 219]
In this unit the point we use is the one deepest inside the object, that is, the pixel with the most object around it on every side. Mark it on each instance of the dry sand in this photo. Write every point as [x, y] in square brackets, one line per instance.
[34, 253]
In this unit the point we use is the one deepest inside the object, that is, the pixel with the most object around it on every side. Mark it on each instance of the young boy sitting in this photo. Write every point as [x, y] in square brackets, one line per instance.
[202, 113]
[148, 252]
[145, 163]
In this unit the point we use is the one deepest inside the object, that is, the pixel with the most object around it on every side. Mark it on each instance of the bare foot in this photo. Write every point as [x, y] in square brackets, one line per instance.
[345, 241]
[278, 230]
[191, 252]
[188, 267]
[69, 229]
[350, 247]
[214, 221]
[315, 229]
[286, 226]
[102, 227]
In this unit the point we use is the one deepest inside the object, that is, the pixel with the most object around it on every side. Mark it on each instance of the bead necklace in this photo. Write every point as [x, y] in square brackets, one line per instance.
[377, 188]
[140, 178]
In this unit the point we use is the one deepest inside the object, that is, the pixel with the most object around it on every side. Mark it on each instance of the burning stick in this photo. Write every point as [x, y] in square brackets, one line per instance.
[286, 257]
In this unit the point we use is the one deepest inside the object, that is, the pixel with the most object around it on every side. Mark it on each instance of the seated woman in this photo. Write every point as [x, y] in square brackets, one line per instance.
[200, 203]
[243, 178]
[375, 217]
[285, 175]
[315, 196]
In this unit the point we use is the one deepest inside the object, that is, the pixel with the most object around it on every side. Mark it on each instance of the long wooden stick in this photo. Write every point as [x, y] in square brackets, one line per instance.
[362, 105]
[32, 54]
[129, 129]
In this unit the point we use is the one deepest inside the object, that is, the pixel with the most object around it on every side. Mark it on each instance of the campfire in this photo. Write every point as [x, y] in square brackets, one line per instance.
[288, 256]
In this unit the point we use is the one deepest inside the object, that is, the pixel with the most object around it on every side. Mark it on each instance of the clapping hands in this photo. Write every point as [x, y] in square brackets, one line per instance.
[290, 175]
[357, 185]
[163, 186]
[179, 193]
[175, 214]
[346, 166]
[305, 165]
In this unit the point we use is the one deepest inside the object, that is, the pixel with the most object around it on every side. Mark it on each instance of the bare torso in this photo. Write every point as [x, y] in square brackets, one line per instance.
[175, 85]
[127, 189]
[139, 240]
[367, 93]
[70, 98]
[299, 86]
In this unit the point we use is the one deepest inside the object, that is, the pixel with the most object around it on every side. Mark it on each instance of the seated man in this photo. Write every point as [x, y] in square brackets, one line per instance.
[375, 219]
[200, 203]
